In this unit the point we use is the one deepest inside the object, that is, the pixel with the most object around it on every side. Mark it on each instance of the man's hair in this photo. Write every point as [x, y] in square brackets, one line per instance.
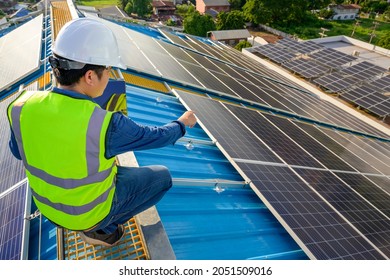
[72, 76]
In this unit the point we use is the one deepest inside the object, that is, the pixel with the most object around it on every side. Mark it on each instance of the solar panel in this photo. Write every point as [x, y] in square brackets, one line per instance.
[363, 70]
[335, 83]
[314, 147]
[11, 169]
[382, 83]
[344, 152]
[225, 127]
[369, 190]
[381, 109]
[24, 43]
[306, 68]
[323, 231]
[331, 57]
[281, 144]
[373, 224]
[299, 47]
[274, 52]
[12, 208]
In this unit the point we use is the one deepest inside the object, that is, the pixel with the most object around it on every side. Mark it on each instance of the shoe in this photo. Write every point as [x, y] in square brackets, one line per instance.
[108, 240]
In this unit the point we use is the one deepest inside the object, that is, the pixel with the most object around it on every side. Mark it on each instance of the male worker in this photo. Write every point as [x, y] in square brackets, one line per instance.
[68, 143]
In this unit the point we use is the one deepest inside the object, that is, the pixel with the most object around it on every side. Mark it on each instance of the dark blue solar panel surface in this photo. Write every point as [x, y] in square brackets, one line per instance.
[228, 131]
[12, 207]
[359, 212]
[322, 229]
[281, 144]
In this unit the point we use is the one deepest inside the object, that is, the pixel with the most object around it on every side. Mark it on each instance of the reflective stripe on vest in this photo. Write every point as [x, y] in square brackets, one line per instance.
[48, 189]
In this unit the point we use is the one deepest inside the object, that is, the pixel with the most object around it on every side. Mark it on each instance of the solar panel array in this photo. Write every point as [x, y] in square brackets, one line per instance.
[331, 58]
[329, 68]
[371, 96]
[275, 52]
[350, 76]
[321, 184]
[307, 68]
[226, 71]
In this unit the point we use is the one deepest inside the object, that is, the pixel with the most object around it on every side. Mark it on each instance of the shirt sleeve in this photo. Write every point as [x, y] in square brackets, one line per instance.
[125, 135]
[14, 146]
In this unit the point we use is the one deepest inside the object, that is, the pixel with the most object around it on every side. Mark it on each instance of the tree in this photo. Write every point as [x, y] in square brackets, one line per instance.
[129, 9]
[139, 7]
[236, 4]
[255, 12]
[198, 25]
[122, 4]
[318, 4]
[231, 20]
[384, 41]
[280, 12]
[142, 7]
[243, 44]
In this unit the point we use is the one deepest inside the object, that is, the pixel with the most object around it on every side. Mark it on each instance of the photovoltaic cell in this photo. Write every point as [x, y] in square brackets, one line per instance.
[360, 147]
[359, 212]
[320, 152]
[307, 68]
[320, 134]
[367, 189]
[288, 150]
[12, 207]
[322, 229]
[237, 140]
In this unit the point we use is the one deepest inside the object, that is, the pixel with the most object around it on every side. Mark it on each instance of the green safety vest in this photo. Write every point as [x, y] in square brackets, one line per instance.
[62, 143]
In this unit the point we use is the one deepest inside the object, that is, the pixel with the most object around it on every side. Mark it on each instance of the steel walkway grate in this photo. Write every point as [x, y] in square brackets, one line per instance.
[130, 248]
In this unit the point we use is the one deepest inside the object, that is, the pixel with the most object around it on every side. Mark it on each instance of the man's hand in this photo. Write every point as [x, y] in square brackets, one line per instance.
[188, 118]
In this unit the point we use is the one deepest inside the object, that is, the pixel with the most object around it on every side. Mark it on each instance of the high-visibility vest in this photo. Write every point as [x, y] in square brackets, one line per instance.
[62, 143]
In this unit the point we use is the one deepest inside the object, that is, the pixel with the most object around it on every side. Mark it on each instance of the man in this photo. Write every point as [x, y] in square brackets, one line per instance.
[68, 143]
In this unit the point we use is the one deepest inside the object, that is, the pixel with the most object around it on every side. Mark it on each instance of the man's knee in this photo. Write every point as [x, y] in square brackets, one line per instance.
[163, 174]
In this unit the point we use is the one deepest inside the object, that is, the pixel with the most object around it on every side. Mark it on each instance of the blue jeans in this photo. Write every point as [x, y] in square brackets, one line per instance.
[137, 189]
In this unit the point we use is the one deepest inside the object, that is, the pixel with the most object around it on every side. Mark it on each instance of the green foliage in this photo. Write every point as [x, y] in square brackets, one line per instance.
[243, 44]
[236, 4]
[142, 7]
[255, 12]
[325, 13]
[198, 25]
[1, 13]
[386, 15]
[384, 41]
[170, 22]
[231, 20]
[139, 7]
[374, 6]
[97, 3]
[318, 4]
[129, 8]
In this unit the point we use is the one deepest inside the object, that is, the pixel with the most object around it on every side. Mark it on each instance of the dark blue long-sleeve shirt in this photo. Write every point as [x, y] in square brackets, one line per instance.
[123, 134]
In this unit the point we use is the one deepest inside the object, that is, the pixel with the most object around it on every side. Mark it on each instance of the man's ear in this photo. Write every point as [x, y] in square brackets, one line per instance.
[88, 77]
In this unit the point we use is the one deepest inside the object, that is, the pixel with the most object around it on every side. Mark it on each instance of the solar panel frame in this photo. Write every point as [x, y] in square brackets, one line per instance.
[12, 208]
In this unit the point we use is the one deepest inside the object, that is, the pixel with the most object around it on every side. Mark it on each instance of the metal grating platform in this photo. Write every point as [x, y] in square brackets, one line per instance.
[132, 246]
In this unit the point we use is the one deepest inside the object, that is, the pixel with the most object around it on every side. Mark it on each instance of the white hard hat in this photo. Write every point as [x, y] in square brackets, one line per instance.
[88, 41]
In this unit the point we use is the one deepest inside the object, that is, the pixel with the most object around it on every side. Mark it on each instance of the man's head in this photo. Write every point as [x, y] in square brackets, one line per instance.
[83, 50]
